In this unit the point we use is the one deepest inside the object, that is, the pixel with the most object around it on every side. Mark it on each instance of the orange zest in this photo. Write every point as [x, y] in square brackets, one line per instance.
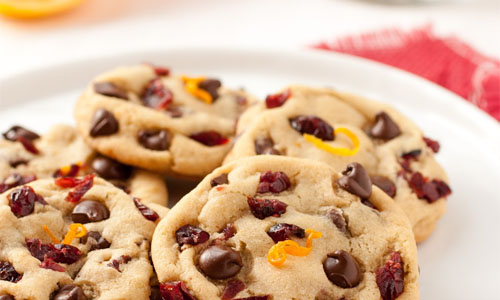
[192, 86]
[76, 230]
[27, 9]
[334, 150]
[277, 254]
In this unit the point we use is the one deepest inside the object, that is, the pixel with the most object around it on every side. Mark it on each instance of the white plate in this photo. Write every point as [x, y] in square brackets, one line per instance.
[459, 261]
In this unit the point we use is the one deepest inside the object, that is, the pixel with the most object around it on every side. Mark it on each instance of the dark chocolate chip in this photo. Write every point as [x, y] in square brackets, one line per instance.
[221, 179]
[356, 181]
[110, 89]
[70, 292]
[342, 269]
[368, 203]
[17, 162]
[103, 123]
[6, 297]
[384, 128]
[385, 184]
[154, 139]
[338, 219]
[313, 125]
[89, 211]
[98, 241]
[15, 132]
[211, 86]
[108, 168]
[155, 293]
[265, 146]
[220, 262]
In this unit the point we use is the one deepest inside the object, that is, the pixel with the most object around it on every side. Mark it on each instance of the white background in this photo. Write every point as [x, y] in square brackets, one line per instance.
[103, 27]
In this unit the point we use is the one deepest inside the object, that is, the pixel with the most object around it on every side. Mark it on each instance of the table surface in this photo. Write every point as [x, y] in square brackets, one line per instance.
[113, 26]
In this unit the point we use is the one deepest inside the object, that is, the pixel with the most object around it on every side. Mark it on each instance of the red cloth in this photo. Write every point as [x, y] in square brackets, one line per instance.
[448, 61]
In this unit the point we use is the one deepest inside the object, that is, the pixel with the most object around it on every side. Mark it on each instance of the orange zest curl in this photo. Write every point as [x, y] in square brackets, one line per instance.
[192, 86]
[334, 150]
[76, 230]
[277, 254]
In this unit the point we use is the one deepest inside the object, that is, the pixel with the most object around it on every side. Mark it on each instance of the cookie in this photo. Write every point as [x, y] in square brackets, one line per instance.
[271, 227]
[338, 128]
[75, 238]
[146, 117]
[26, 156]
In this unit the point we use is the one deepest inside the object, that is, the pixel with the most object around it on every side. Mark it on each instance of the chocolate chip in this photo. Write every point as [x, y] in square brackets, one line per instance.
[15, 132]
[220, 262]
[17, 162]
[384, 128]
[385, 184]
[155, 293]
[70, 292]
[108, 168]
[154, 139]
[174, 111]
[103, 123]
[6, 297]
[211, 86]
[342, 269]
[98, 241]
[110, 89]
[356, 181]
[89, 211]
[265, 146]
[221, 179]
[338, 219]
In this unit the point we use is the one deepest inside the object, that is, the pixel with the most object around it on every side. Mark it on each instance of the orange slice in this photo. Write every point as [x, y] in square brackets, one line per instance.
[27, 9]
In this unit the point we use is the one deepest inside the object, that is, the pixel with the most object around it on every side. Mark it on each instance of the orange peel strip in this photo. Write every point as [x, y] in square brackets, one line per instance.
[76, 230]
[193, 88]
[52, 236]
[277, 254]
[337, 151]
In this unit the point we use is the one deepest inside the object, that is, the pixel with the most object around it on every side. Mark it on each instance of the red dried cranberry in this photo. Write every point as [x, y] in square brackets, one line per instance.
[81, 186]
[229, 231]
[22, 201]
[72, 172]
[266, 297]
[28, 145]
[59, 253]
[277, 100]
[274, 182]
[283, 231]
[8, 273]
[209, 138]
[115, 263]
[147, 212]
[175, 290]
[429, 190]
[414, 154]
[232, 288]
[14, 180]
[314, 126]
[160, 71]
[390, 277]
[434, 145]
[156, 95]
[191, 235]
[263, 208]
[50, 264]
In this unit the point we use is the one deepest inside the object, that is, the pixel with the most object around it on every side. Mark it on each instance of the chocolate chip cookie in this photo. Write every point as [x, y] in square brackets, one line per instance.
[275, 227]
[26, 156]
[338, 128]
[146, 117]
[75, 238]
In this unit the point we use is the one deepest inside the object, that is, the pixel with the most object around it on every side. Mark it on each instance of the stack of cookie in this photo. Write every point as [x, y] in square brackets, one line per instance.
[310, 194]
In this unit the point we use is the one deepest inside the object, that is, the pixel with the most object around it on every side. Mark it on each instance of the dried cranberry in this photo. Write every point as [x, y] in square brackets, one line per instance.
[22, 201]
[14, 180]
[115, 263]
[72, 172]
[274, 182]
[28, 145]
[314, 126]
[59, 253]
[50, 264]
[191, 235]
[8, 273]
[209, 138]
[229, 231]
[429, 190]
[160, 71]
[175, 290]
[263, 208]
[390, 277]
[81, 186]
[277, 100]
[283, 231]
[434, 145]
[232, 288]
[414, 154]
[266, 297]
[157, 95]
[147, 212]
